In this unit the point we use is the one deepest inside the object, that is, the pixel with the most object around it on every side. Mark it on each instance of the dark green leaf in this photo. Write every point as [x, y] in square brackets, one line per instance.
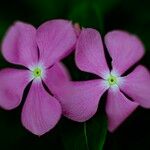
[84, 13]
[84, 136]
[96, 131]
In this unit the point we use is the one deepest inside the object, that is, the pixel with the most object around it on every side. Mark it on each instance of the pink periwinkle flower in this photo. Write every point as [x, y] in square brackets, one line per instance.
[80, 99]
[40, 52]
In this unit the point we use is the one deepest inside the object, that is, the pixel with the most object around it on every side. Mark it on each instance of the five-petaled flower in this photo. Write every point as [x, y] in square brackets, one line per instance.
[80, 99]
[40, 52]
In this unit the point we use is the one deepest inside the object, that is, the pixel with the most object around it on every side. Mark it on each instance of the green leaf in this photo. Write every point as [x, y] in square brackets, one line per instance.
[91, 13]
[96, 131]
[84, 136]
[84, 14]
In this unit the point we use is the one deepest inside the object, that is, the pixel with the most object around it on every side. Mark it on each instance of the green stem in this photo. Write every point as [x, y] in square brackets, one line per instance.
[86, 138]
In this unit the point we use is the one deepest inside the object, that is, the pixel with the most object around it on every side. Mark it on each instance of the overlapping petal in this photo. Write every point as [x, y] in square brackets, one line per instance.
[137, 86]
[118, 108]
[56, 76]
[80, 100]
[55, 39]
[41, 111]
[90, 53]
[125, 50]
[19, 45]
[12, 85]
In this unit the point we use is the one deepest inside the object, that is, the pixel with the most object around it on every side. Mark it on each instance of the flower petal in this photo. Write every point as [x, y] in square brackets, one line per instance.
[56, 76]
[118, 108]
[79, 100]
[125, 49]
[55, 39]
[137, 86]
[41, 111]
[12, 85]
[90, 53]
[19, 45]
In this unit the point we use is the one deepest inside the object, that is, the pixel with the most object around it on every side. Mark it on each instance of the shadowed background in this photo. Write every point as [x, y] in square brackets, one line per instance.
[103, 15]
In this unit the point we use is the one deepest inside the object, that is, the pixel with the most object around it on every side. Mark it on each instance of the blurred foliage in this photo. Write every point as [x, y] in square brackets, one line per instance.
[104, 15]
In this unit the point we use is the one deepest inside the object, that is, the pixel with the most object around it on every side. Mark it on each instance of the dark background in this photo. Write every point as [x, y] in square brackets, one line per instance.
[106, 15]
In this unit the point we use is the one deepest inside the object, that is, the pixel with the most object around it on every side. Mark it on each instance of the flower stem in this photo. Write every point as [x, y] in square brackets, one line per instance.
[86, 138]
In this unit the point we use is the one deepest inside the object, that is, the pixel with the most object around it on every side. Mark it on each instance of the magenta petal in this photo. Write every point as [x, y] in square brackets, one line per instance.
[41, 111]
[19, 45]
[55, 39]
[125, 49]
[79, 100]
[90, 53]
[118, 108]
[56, 76]
[12, 85]
[137, 86]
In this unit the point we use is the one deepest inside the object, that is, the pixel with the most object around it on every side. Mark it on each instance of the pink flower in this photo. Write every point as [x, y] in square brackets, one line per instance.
[80, 99]
[40, 52]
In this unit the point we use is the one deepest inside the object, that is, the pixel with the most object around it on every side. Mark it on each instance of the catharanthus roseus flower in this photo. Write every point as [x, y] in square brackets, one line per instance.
[40, 52]
[80, 101]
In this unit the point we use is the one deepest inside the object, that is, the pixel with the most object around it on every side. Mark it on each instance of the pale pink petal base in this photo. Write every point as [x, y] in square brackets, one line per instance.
[19, 45]
[137, 86]
[118, 108]
[80, 100]
[124, 48]
[41, 112]
[90, 53]
[12, 85]
[55, 39]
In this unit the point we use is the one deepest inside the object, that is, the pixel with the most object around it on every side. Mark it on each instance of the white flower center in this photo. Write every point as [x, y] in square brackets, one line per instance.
[113, 80]
[37, 72]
